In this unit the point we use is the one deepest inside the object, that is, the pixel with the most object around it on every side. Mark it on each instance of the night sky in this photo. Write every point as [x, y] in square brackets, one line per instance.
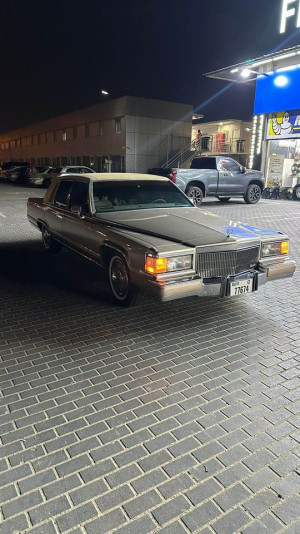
[57, 55]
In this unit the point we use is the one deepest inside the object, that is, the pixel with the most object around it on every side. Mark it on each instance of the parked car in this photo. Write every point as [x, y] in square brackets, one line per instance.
[17, 174]
[150, 238]
[40, 175]
[73, 169]
[8, 165]
[217, 176]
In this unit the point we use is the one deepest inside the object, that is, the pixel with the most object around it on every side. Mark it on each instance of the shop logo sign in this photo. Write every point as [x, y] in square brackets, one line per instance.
[284, 125]
[290, 8]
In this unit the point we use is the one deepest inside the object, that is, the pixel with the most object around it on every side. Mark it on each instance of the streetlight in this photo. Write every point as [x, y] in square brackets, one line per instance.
[104, 92]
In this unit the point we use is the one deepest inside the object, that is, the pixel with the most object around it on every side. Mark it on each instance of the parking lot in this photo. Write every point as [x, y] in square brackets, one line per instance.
[172, 418]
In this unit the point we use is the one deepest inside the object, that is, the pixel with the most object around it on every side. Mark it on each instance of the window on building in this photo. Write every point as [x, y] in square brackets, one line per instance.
[101, 128]
[87, 130]
[74, 132]
[64, 136]
[118, 126]
[39, 139]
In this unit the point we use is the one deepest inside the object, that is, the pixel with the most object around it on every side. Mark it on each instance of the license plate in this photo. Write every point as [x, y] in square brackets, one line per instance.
[241, 287]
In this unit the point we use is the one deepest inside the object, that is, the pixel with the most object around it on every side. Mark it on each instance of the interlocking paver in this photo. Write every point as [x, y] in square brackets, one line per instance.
[108, 413]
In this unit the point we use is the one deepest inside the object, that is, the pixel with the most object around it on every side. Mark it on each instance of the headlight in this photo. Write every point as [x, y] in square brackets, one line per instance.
[274, 249]
[164, 265]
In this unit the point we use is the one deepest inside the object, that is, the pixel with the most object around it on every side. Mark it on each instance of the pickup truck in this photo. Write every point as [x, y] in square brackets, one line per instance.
[150, 238]
[218, 176]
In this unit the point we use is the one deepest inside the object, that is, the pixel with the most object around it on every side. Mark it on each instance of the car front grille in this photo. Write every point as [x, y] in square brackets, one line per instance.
[216, 264]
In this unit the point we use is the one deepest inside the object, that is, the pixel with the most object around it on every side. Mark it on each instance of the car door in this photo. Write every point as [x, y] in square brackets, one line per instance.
[54, 213]
[78, 227]
[230, 177]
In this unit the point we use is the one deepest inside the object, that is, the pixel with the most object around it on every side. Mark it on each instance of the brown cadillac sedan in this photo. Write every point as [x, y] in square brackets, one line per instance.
[150, 238]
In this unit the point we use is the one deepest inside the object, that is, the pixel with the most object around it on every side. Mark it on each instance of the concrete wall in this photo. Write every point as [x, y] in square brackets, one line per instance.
[147, 126]
[151, 142]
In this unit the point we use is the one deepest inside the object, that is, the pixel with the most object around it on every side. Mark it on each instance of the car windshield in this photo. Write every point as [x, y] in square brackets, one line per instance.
[132, 195]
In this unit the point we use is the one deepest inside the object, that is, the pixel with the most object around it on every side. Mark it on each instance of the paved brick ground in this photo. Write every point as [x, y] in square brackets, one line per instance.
[173, 418]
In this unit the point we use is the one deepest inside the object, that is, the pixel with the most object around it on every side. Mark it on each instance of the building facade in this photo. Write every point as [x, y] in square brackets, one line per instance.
[275, 137]
[231, 137]
[125, 134]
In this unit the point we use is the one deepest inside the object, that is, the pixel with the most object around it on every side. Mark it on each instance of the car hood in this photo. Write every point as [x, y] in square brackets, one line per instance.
[189, 226]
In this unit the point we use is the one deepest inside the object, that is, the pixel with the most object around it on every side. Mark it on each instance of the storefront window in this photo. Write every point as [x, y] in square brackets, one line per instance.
[283, 162]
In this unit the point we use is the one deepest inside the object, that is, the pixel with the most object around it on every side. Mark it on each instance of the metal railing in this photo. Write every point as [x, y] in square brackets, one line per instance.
[218, 146]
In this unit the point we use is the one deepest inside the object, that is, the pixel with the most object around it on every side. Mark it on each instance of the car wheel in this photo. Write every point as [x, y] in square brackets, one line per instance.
[224, 199]
[297, 192]
[120, 284]
[253, 194]
[49, 243]
[195, 194]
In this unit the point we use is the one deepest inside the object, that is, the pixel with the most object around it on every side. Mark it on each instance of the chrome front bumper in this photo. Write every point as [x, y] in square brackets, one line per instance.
[171, 290]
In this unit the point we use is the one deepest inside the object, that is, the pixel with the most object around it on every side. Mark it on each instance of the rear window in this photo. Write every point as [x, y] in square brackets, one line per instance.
[203, 163]
[41, 169]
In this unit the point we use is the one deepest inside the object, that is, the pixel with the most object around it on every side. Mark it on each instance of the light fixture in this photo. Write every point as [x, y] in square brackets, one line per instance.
[221, 123]
[245, 73]
[104, 92]
[281, 81]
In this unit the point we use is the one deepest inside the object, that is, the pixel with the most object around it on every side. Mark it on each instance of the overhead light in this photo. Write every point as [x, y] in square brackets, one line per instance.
[104, 92]
[234, 70]
[221, 123]
[245, 73]
[281, 81]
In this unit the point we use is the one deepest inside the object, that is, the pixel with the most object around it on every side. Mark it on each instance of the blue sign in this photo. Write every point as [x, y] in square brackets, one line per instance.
[277, 90]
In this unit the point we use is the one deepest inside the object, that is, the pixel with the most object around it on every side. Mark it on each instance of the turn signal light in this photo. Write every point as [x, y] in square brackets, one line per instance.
[155, 265]
[284, 247]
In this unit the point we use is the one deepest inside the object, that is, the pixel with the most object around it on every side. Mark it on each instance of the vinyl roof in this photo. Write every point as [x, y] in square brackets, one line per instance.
[109, 176]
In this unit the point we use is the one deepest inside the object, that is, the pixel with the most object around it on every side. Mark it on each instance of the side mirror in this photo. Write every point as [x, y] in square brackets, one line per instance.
[243, 170]
[76, 208]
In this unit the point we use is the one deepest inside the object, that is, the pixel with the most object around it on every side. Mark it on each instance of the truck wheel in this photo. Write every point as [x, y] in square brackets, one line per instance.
[253, 194]
[49, 243]
[224, 199]
[296, 194]
[120, 284]
[195, 194]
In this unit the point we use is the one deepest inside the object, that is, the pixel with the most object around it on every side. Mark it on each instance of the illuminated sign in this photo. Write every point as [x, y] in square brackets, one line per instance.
[284, 125]
[277, 90]
[290, 8]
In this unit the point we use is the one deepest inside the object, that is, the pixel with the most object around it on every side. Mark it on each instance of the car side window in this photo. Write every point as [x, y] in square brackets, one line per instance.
[69, 171]
[61, 197]
[230, 165]
[79, 196]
